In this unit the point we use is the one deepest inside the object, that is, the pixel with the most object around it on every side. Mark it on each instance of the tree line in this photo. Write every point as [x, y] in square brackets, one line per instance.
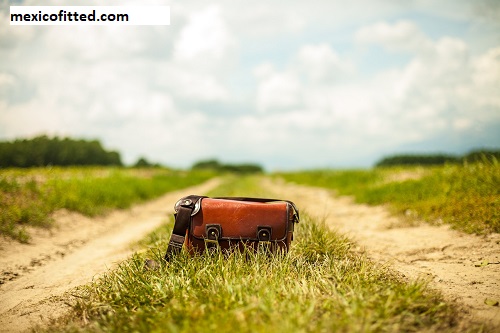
[439, 159]
[222, 167]
[45, 151]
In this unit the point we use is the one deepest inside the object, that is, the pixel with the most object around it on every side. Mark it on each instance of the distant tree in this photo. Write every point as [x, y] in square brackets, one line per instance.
[479, 155]
[207, 164]
[408, 159]
[42, 151]
[113, 158]
[213, 164]
[482, 155]
[242, 168]
[142, 162]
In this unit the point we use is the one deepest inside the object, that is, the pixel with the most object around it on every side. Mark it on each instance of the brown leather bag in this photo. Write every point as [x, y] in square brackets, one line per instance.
[230, 222]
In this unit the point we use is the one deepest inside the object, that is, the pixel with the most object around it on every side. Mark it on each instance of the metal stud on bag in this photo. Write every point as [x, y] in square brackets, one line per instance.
[188, 202]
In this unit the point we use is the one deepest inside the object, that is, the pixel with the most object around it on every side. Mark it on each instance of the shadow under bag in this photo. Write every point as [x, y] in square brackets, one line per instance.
[232, 222]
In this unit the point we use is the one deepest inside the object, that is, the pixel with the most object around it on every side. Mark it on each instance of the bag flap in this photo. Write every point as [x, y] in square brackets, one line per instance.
[241, 219]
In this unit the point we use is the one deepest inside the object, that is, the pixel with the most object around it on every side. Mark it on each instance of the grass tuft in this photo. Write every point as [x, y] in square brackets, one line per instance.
[311, 289]
[321, 285]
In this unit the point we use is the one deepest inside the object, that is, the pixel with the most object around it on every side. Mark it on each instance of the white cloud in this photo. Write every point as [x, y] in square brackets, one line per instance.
[309, 71]
[487, 68]
[264, 70]
[401, 36]
[485, 79]
[204, 40]
[193, 85]
[321, 64]
[441, 90]
[260, 19]
[8, 83]
[309, 102]
[278, 91]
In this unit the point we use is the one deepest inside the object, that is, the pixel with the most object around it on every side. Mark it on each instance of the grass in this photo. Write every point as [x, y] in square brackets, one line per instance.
[29, 196]
[321, 285]
[465, 196]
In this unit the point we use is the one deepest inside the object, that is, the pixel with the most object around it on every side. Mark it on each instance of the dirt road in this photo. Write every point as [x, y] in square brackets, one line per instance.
[35, 276]
[465, 268]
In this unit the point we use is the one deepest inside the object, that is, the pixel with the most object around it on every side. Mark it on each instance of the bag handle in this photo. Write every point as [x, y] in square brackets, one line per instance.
[183, 217]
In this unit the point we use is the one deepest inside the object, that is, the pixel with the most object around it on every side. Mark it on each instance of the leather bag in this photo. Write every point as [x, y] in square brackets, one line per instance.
[232, 222]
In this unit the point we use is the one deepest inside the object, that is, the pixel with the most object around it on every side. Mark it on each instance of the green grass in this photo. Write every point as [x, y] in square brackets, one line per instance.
[465, 196]
[321, 285]
[29, 196]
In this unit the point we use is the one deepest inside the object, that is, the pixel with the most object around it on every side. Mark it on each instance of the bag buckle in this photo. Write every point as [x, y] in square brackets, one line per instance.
[264, 233]
[212, 233]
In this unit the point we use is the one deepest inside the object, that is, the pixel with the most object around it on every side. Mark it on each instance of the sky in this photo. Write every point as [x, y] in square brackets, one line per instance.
[285, 84]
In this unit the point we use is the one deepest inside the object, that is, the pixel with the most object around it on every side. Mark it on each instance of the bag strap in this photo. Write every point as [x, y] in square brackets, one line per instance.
[183, 217]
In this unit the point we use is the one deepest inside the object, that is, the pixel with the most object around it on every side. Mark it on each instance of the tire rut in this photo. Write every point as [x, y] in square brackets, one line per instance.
[36, 276]
[462, 267]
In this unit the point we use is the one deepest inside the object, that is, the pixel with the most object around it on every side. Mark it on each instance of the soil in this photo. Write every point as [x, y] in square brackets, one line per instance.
[36, 278]
[464, 268]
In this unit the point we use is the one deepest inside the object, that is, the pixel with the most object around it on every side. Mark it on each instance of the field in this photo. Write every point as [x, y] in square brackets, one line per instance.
[464, 196]
[322, 285]
[326, 283]
[29, 196]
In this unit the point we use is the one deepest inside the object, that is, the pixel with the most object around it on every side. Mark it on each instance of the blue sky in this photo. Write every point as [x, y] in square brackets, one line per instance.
[288, 85]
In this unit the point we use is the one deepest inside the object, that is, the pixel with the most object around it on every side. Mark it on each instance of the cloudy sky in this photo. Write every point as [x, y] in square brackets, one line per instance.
[287, 84]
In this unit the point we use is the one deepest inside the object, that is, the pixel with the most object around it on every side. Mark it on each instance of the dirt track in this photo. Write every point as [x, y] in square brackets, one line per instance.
[36, 276]
[453, 263]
